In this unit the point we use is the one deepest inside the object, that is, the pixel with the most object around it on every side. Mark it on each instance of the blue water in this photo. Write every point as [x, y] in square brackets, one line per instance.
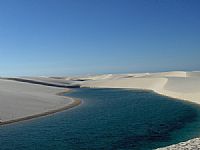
[108, 119]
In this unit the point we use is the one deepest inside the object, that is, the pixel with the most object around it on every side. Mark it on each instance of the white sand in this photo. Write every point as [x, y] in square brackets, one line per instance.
[193, 144]
[18, 100]
[177, 84]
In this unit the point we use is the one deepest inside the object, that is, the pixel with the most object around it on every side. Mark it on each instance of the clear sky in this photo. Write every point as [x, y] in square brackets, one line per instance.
[62, 37]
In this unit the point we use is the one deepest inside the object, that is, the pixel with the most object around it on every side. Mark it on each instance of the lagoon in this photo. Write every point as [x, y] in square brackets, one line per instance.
[108, 119]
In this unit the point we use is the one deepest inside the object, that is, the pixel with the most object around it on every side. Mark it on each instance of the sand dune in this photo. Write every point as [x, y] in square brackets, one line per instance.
[170, 74]
[176, 84]
[19, 100]
[61, 81]
[138, 83]
[97, 77]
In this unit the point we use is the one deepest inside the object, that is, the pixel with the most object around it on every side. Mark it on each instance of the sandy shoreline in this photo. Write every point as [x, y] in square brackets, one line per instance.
[75, 102]
[180, 85]
[22, 101]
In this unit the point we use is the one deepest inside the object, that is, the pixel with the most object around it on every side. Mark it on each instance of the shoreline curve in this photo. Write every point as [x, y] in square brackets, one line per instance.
[75, 102]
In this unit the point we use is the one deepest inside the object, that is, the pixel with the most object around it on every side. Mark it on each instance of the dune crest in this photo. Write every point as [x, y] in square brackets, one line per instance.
[176, 84]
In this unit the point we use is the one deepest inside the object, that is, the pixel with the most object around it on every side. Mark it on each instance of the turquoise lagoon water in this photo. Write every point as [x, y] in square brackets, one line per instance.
[107, 119]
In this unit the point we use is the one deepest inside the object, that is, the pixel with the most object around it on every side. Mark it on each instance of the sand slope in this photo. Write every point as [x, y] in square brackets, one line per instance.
[18, 100]
[176, 84]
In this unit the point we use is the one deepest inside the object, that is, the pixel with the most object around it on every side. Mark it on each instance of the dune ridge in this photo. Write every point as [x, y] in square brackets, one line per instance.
[176, 84]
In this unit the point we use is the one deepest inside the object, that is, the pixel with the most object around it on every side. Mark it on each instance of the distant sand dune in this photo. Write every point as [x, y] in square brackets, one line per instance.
[176, 84]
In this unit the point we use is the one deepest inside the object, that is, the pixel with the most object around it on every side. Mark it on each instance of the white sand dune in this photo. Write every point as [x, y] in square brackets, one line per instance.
[176, 84]
[19, 100]
[59, 81]
[170, 74]
[97, 77]
[138, 83]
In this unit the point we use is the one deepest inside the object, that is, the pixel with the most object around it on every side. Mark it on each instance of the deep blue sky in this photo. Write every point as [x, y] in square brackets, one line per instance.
[62, 37]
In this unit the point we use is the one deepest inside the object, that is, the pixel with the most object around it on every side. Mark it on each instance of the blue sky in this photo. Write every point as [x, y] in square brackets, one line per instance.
[65, 37]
